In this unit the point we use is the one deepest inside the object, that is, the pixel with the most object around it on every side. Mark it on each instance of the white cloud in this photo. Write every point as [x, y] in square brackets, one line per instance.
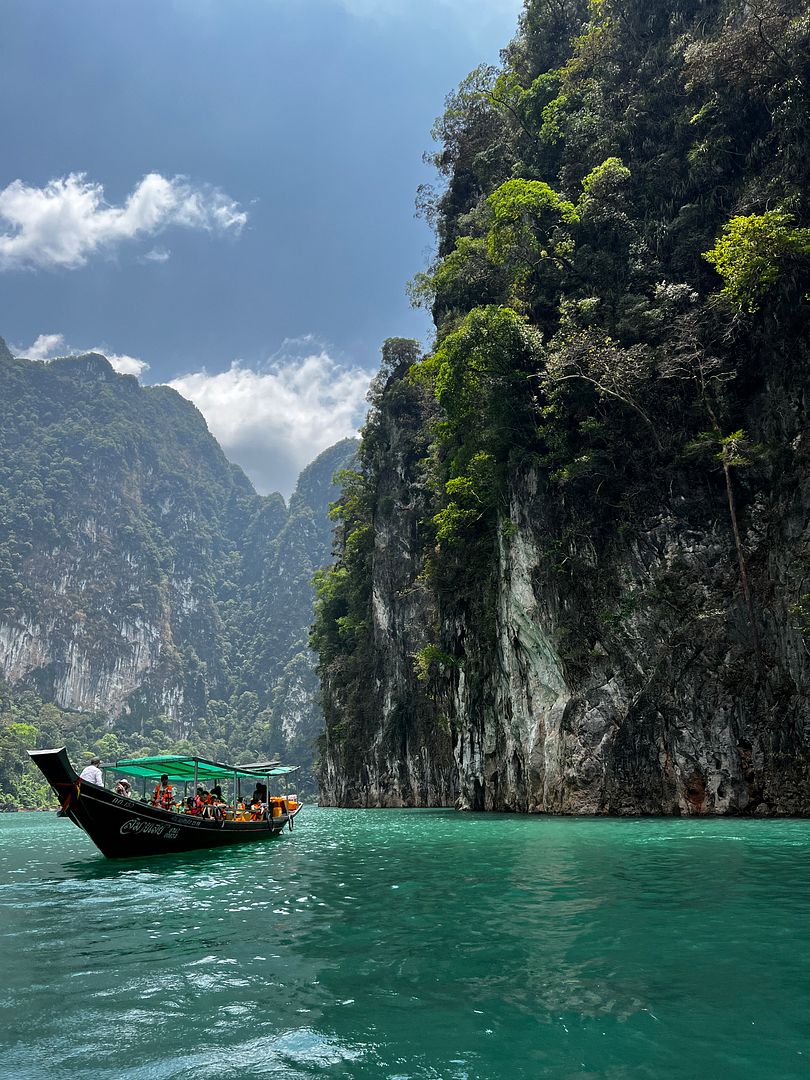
[67, 221]
[49, 346]
[123, 364]
[275, 420]
[46, 347]
[158, 255]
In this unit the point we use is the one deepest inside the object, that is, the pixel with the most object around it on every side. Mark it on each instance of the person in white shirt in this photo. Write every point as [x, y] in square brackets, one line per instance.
[93, 772]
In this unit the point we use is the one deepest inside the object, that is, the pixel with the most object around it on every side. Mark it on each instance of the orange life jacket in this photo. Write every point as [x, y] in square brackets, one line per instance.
[163, 796]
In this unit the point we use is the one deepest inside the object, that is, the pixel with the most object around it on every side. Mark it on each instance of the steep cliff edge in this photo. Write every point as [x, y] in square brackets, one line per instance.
[615, 674]
[142, 579]
[573, 577]
[386, 742]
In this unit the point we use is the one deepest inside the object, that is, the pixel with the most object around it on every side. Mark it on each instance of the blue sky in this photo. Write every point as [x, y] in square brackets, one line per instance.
[223, 190]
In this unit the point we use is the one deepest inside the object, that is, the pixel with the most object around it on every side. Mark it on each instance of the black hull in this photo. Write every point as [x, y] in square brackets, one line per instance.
[123, 828]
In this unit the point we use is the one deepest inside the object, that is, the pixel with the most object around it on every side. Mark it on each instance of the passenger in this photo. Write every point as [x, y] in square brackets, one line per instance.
[259, 795]
[256, 809]
[92, 772]
[123, 788]
[189, 807]
[216, 794]
[163, 795]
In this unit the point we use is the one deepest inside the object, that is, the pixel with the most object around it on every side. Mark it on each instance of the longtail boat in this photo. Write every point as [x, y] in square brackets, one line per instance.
[125, 827]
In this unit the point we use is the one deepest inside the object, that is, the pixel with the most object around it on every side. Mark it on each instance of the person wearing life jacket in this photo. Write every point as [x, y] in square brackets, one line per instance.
[163, 795]
[255, 810]
[220, 802]
[168, 794]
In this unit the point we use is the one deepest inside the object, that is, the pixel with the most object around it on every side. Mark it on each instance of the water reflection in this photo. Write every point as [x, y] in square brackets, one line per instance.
[411, 944]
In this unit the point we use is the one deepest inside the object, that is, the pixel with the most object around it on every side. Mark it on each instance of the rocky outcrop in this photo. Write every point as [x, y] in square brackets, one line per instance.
[141, 576]
[581, 585]
[612, 675]
[400, 753]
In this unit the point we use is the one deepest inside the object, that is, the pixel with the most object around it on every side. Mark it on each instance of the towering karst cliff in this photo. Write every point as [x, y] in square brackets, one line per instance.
[141, 576]
[575, 555]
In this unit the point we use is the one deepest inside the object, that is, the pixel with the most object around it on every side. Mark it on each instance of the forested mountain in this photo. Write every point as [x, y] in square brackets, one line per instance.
[148, 596]
[575, 554]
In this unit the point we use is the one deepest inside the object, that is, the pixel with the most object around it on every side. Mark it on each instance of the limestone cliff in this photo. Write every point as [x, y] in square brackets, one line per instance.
[141, 576]
[573, 566]
[615, 677]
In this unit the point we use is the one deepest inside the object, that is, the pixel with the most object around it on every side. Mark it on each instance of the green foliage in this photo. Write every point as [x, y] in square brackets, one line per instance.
[606, 181]
[754, 252]
[466, 274]
[118, 510]
[734, 450]
[431, 660]
[471, 497]
[531, 222]
[799, 612]
[480, 377]
[581, 354]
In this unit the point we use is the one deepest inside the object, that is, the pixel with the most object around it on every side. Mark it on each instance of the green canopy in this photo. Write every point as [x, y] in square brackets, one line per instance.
[182, 769]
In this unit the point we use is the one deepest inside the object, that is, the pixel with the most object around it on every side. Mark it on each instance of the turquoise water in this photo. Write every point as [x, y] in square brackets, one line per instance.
[403, 944]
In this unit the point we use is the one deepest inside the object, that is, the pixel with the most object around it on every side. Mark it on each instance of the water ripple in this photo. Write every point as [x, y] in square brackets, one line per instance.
[412, 944]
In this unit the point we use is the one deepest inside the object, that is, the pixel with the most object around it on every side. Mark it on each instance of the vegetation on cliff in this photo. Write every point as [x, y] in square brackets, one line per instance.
[149, 598]
[620, 299]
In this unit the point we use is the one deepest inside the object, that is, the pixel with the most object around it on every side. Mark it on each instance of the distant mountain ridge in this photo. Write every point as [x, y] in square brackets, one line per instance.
[141, 576]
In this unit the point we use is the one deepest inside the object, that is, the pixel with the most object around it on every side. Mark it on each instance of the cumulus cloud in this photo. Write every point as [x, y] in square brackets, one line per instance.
[273, 421]
[68, 220]
[48, 346]
[123, 364]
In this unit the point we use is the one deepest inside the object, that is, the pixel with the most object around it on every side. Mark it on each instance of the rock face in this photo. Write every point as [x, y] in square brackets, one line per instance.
[140, 573]
[619, 678]
[399, 753]
[578, 583]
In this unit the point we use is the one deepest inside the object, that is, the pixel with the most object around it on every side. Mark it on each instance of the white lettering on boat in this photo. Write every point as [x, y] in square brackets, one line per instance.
[149, 828]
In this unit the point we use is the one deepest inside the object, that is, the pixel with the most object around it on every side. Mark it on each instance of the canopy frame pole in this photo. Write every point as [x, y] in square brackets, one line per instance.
[235, 799]
[196, 766]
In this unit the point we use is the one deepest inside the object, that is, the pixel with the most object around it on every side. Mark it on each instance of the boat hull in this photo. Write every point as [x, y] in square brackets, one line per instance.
[124, 828]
